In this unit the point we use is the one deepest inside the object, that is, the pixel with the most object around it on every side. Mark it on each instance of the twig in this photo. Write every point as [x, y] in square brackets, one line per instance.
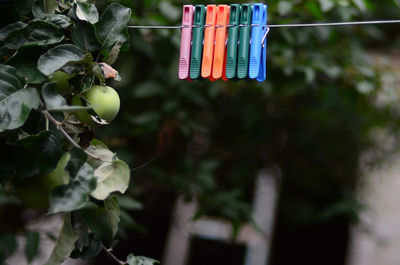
[106, 250]
[69, 138]
[145, 163]
[111, 255]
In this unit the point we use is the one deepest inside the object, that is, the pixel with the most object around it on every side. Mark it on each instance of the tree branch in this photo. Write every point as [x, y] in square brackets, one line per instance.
[69, 138]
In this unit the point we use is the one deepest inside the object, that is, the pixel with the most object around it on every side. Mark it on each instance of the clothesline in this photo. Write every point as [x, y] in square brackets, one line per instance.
[328, 24]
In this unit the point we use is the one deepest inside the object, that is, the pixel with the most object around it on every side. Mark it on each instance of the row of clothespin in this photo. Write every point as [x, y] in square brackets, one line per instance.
[223, 42]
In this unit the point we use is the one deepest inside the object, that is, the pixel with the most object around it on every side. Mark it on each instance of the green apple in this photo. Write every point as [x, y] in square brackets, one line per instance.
[82, 115]
[57, 176]
[35, 191]
[61, 78]
[104, 101]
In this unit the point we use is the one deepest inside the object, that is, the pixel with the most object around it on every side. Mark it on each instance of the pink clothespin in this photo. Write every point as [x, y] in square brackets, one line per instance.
[186, 38]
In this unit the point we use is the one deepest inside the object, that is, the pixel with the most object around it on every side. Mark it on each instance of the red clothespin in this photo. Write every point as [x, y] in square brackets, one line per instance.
[186, 38]
[220, 41]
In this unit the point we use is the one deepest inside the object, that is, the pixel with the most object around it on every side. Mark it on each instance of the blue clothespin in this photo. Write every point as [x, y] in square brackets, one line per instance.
[263, 64]
[259, 20]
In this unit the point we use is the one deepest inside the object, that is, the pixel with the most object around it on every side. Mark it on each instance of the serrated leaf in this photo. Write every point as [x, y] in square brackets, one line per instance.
[87, 12]
[59, 20]
[140, 260]
[111, 27]
[15, 102]
[112, 211]
[5, 31]
[65, 243]
[37, 154]
[111, 177]
[32, 245]
[83, 36]
[37, 33]
[75, 194]
[59, 56]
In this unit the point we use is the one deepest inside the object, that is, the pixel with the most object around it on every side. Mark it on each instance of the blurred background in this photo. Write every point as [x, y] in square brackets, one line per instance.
[311, 153]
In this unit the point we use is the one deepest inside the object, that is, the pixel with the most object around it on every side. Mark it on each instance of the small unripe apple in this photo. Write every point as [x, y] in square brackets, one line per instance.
[35, 191]
[82, 115]
[61, 78]
[104, 101]
[57, 176]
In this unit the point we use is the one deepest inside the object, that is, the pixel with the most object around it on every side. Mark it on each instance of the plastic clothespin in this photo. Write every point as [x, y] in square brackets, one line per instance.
[244, 40]
[186, 38]
[263, 64]
[232, 46]
[256, 36]
[197, 41]
[209, 36]
[220, 40]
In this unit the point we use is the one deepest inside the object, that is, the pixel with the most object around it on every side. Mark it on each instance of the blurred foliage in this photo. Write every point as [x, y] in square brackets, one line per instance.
[313, 117]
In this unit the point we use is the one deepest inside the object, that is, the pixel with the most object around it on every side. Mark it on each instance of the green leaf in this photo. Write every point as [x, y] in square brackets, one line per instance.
[111, 177]
[26, 64]
[7, 166]
[113, 55]
[38, 33]
[128, 203]
[74, 195]
[111, 27]
[65, 243]
[54, 101]
[87, 12]
[37, 154]
[83, 36]
[61, 21]
[112, 211]
[100, 150]
[89, 249]
[4, 32]
[140, 260]
[57, 57]
[50, 6]
[32, 245]
[15, 102]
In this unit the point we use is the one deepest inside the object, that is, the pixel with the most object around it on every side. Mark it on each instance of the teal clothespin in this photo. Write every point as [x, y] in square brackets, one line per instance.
[197, 41]
[232, 46]
[244, 40]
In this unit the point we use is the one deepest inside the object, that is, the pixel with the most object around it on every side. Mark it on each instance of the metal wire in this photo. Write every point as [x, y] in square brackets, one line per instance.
[328, 24]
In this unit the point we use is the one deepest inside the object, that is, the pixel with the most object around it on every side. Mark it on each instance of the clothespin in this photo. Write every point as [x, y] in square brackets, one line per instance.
[244, 39]
[232, 45]
[197, 41]
[186, 38]
[209, 36]
[256, 36]
[263, 64]
[220, 41]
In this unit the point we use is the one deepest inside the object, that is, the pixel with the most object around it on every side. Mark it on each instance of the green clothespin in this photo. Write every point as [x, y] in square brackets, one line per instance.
[244, 40]
[232, 47]
[197, 41]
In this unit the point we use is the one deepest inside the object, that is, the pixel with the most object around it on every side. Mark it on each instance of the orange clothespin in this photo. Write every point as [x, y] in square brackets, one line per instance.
[209, 36]
[220, 41]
